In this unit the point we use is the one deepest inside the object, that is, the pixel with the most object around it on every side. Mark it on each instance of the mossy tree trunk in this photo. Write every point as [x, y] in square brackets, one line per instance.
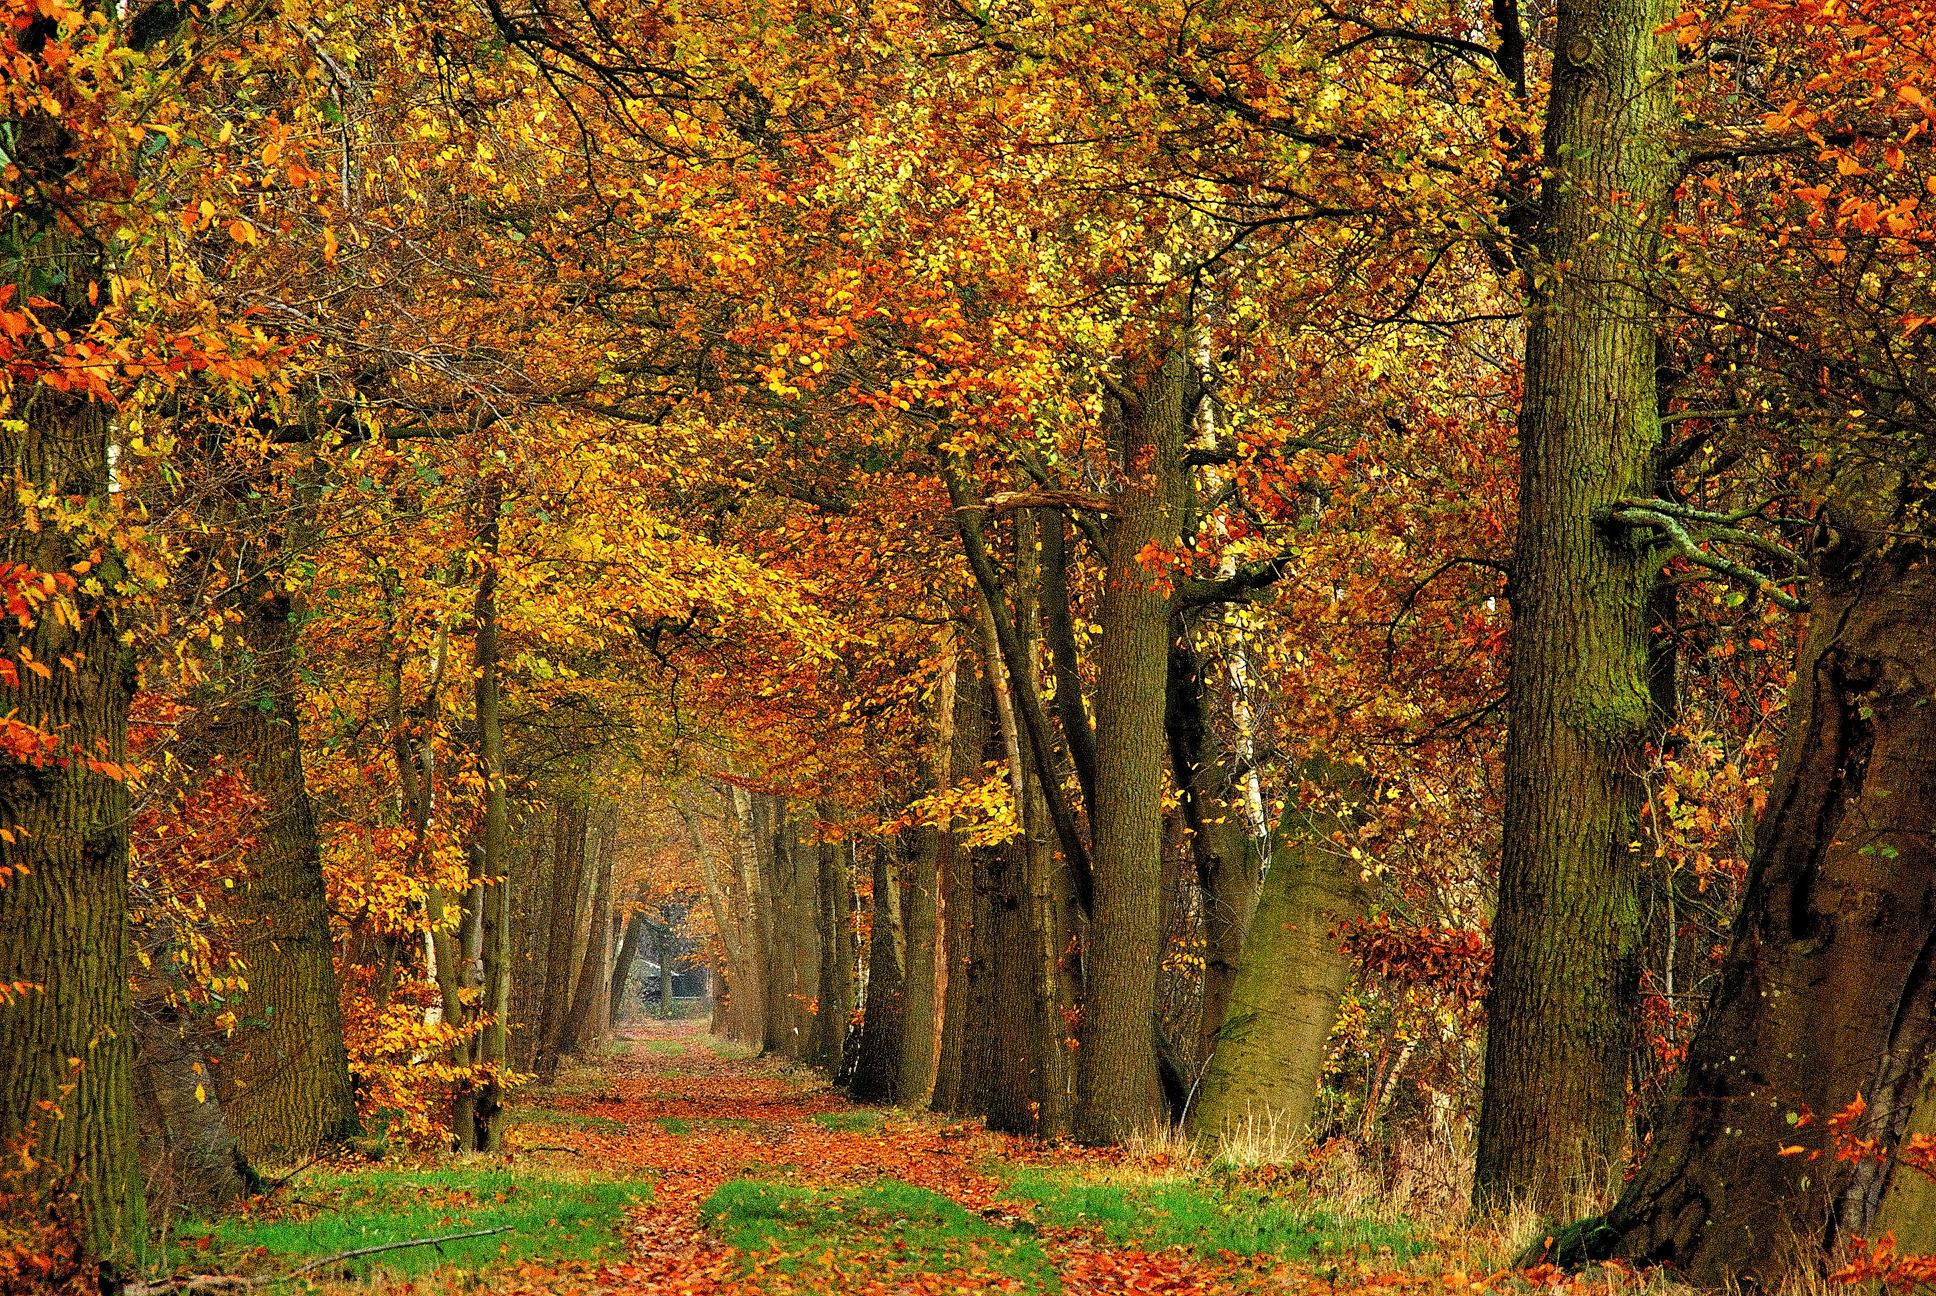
[1828, 988]
[1564, 1001]
[1262, 1080]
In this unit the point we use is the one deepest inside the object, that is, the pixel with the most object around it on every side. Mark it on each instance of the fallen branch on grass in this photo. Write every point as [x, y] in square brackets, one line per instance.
[197, 1284]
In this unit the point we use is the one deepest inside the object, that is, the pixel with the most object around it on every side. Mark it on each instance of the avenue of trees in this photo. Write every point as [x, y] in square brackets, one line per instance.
[1357, 573]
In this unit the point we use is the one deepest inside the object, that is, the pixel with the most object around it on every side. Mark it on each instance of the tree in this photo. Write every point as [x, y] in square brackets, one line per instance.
[1564, 995]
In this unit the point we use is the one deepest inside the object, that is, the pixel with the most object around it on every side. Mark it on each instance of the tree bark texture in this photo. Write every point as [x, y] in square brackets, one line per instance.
[956, 888]
[287, 1071]
[876, 1076]
[1829, 984]
[1226, 857]
[494, 847]
[1262, 1080]
[1564, 997]
[584, 1021]
[927, 949]
[67, 1044]
[1118, 1093]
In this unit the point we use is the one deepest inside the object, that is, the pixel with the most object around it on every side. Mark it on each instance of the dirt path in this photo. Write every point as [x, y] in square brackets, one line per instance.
[673, 1111]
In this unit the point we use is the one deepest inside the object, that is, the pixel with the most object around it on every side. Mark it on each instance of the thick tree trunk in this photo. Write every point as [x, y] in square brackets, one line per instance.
[1564, 1003]
[1117, 1091]
[1828, 989]
[1262, 1080]
[189, 1158]
[883, 1014]
[287, 1073]
[66, 1044]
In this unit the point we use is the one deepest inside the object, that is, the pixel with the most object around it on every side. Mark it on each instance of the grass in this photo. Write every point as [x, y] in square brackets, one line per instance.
[550, 1218]
[849, 1122]
[885, 1229]
[564, 1120]
[1208, 1217]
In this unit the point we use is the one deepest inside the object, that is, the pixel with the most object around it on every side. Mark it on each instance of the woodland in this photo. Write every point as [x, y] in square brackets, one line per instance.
[1350, 575]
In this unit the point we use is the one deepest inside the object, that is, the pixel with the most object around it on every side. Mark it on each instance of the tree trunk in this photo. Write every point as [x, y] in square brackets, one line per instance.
[1263, 1077]
[1829, 984]
[835, 987]
[628, 953]
[956, 888]
[494, 862]
[662, 946]
[883, 1015]
[1118, 1093]
[189, 1157]
[583, 1021]
[927, 960]
[287, 1074]
[1564, 1000]
[66, 1045]
[1226, 856]
[569, 828]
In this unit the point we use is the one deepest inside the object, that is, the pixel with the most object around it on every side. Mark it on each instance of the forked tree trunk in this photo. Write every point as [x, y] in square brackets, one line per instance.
[1828, 989]
[1564, 998]
[1117, 1090]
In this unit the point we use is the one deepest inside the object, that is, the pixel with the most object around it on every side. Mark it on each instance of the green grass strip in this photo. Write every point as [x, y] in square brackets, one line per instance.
[885, 1230]
[1208, 1219]
[549, 1218]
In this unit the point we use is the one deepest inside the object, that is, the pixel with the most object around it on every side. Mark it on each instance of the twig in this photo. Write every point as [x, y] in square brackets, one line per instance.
[394, 1246]
[193, 1283]
[553, 1147]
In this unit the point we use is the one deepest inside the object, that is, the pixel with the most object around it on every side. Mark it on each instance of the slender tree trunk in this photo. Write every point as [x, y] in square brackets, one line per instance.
[956, 887]
[1828, 989]
[583, 1020]
[1564, 999]
[1262, 1080]
[927, 959]
[1118, 1093]
[628, 952]
[494, 848]
[1226, 857]
[568, 869]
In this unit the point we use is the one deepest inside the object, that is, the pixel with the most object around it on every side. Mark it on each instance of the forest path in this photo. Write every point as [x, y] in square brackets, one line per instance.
[671, 1110]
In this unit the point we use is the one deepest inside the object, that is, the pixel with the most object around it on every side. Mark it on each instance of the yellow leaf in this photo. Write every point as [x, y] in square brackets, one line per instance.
[201, 1094]
[241, 231]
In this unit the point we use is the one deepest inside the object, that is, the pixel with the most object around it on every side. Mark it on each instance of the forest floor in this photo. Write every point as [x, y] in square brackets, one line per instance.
[672, 1168]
